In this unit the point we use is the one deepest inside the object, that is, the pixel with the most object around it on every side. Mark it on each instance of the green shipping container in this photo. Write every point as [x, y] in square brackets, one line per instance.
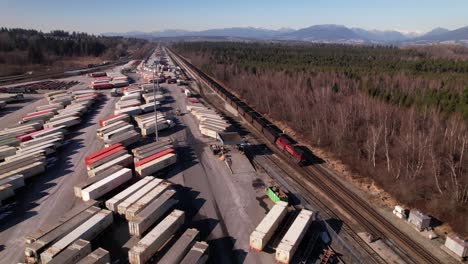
[274, 197]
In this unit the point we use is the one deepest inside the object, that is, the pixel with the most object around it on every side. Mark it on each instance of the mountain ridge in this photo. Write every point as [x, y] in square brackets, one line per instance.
[316, 33]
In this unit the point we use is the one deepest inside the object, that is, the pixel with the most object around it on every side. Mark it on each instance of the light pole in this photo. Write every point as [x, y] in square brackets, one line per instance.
[155, 111]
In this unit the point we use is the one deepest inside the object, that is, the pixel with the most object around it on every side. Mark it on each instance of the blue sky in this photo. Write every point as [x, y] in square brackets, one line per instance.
[100, 16]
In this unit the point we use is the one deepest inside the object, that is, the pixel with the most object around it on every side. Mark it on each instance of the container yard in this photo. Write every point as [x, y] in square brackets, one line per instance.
[106, 182]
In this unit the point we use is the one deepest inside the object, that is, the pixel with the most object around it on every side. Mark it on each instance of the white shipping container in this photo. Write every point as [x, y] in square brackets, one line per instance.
[112, 203]
[156, 238]
[135, 110]
[141, 203]
[266, 228]
[152, 213]
[106, 185]
[87, 231]
[122, 117]
[178, 251]
[16, 181]
[122, 207]
[156, 165]
[121, 130]
[124, 161]
[291, 240]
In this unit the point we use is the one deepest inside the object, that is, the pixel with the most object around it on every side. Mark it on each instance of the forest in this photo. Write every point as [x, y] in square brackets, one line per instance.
[398, 116]
[24, 49]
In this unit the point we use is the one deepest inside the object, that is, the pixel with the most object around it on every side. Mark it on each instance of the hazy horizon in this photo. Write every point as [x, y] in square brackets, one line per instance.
[146, 16]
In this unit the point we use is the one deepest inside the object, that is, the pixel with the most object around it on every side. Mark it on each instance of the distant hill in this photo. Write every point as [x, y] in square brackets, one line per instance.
[381, 35]
[317, 33]
[329, 33]
[441, 35]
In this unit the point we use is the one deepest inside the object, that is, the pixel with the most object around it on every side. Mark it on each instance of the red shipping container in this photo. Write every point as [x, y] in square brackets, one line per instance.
[37, 113]
[104, 150]
[154, 156]
[102, 86]
[24, 138]
[39, 131]
[105, 154]
[107, 118]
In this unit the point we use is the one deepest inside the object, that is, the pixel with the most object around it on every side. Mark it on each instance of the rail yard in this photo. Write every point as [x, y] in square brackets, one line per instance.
[162, 164]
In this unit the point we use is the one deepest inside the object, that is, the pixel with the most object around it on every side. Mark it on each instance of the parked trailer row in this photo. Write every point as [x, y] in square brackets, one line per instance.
[101, 160]
[181, 247]
[112, 204]
[266, 228]
[73, 253]
[293, 237]
[154, 164]
[151, 149]
[141, 203]
[130, 200]
[114, 118]
[151, 243]
[152, 213]
[46, 235]
[87, 231]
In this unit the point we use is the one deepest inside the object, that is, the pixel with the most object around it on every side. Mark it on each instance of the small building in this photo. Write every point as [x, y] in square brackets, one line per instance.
[419, 220]
[230, 138]
[457, 245]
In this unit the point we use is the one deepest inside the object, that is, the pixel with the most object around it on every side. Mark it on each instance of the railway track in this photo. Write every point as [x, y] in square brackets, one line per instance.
[354, 205]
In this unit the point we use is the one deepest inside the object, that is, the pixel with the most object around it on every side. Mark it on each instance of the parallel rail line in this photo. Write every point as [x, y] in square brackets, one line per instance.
[375, 223]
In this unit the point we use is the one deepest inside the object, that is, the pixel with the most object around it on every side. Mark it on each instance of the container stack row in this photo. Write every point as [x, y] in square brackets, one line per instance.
[210, 122]
[153, 157]
[68, 240]
[24, 149]
[147, 123]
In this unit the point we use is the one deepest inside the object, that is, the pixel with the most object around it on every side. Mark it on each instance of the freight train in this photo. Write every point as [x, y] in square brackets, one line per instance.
[271, 131]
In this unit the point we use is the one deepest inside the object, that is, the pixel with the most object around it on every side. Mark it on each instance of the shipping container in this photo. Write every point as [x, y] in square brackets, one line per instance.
[178, 251]
[293, 237]
[156, 165]
[73, 253]
[114, 118]
[101, 152]
[198, 254]
[98, 256]
[40, 240]
[112, 203]
[126, 203]
[156, 238]
[106, 185]
[266, 228]
[87, 231]
[142, 202]
[100, 176]
[152, 213]
[124, 161]
[16, 181]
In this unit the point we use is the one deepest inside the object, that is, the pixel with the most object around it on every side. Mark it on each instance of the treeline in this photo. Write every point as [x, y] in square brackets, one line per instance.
[388, 119]
[20, 47]
[440, 82]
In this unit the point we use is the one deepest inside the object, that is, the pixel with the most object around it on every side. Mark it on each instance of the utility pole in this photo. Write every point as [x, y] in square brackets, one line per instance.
[155, 111]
